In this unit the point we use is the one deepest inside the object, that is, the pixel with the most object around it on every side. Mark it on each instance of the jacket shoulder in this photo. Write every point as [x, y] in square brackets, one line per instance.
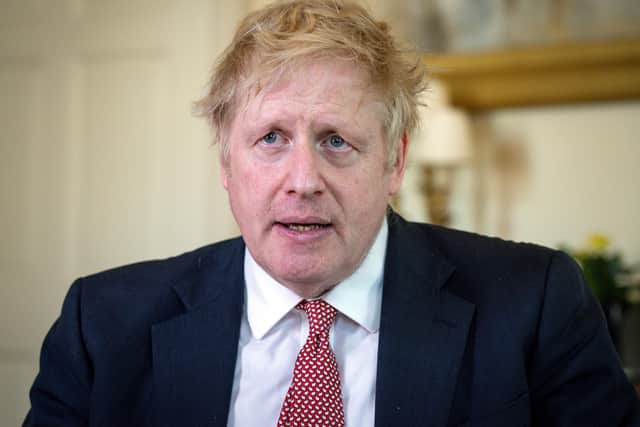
[467, 248]
[161, 273]
[489, 271]
[151, 291]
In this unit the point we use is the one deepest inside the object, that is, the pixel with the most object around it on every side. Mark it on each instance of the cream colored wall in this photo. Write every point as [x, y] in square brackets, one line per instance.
[101, 161]
[550, 175]
[553, 175]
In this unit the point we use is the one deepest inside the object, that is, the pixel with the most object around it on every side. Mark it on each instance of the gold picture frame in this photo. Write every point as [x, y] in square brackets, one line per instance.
[577, 72]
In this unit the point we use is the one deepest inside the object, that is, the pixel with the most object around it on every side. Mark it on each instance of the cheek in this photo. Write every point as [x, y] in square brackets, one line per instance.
[364, 191]
[248, 189]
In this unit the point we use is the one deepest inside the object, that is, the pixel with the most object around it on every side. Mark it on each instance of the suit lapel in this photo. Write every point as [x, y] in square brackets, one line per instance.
[194, 354]
[423, 332]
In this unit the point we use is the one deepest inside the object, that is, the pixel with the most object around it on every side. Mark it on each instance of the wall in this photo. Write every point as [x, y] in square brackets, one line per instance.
[550, 175]
[101, 161]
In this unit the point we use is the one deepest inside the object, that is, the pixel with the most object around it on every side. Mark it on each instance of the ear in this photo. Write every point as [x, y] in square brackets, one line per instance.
[398, 168]
[225, 172]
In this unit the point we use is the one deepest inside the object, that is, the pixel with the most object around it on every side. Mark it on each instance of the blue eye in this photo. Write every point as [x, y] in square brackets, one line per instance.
[336, 141]
[270, 138]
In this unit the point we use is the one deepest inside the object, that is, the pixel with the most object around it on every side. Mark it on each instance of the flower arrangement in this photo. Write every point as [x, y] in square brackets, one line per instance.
[610, 280]
[603, 268]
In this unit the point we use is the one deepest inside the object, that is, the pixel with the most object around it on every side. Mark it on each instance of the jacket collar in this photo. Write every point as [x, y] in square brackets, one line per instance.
[212, 274]
[423, 332]
[194, 353]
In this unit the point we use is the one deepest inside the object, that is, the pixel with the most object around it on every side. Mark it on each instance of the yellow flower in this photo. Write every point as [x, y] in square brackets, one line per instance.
[597, 243]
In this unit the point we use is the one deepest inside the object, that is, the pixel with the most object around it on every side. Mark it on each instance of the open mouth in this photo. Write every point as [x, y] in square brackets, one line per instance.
[303, 227]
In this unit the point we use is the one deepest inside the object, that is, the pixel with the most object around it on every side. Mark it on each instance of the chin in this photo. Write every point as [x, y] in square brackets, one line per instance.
[305, 278]
[310, 289]
[302, 278]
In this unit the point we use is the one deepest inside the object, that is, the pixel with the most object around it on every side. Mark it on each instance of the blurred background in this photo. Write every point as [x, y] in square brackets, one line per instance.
[531, 134]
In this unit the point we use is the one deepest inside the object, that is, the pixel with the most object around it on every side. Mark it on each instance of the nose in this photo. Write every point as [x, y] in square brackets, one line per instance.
[304, 174]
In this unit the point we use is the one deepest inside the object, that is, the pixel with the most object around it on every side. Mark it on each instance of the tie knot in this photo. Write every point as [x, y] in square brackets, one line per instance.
[321, 315]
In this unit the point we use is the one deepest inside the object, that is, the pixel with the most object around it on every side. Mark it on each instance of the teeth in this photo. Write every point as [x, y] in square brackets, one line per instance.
[303, 227]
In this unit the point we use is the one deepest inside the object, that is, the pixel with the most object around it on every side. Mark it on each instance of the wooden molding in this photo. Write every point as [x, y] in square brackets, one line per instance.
[542, 75]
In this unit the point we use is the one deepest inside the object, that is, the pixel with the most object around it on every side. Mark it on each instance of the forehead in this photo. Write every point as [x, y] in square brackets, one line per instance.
[325, 85]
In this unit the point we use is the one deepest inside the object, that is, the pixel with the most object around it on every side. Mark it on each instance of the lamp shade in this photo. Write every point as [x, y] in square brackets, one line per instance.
[443, 137]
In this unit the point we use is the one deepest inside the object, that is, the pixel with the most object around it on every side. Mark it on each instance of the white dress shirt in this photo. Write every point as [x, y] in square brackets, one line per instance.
[272, 333]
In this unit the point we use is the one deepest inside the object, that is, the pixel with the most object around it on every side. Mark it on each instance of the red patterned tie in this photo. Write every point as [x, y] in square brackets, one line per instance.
[314, 397]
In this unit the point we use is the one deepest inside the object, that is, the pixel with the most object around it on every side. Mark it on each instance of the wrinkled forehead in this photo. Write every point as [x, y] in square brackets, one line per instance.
[261, 83]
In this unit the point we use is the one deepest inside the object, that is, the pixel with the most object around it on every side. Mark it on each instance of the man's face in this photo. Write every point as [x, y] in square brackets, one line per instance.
[307, 176]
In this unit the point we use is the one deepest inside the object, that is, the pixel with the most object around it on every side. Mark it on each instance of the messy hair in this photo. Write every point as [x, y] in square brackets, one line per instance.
[271, 41]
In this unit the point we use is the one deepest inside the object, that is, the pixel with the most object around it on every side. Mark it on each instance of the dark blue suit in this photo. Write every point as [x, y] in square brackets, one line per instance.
[474, 332]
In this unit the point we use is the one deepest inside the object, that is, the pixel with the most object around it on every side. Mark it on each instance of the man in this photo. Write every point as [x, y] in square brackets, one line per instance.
[329, 310]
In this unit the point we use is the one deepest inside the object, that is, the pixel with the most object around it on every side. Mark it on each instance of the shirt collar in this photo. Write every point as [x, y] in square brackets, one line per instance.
[359, 296]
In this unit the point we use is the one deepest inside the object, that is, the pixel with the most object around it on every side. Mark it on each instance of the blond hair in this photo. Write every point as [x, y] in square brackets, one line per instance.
[270, 41]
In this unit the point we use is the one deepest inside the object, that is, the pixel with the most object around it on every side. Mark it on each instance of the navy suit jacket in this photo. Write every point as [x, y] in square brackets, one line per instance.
[474, 332]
